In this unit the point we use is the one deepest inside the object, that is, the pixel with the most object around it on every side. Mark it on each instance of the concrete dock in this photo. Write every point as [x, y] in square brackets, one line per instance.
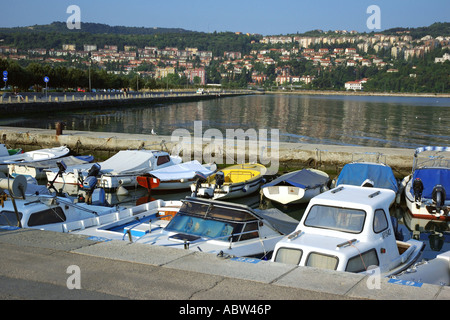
[43, 265]
[28, 103]
[290, 155]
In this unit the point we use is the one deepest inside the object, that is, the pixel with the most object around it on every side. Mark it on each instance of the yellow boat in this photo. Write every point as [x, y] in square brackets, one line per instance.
[232, 182]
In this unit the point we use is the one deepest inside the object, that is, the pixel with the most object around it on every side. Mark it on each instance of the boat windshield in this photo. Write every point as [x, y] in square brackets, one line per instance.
[202, 227]
[9, 218]
[336, 218]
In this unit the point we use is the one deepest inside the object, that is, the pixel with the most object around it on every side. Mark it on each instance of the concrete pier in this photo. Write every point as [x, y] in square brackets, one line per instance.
[37, 264]
[291, 155]
[31, 103]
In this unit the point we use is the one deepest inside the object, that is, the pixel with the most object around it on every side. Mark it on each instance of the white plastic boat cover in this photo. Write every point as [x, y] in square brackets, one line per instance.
[123, 162]
[305, 179]
[37, 155]
[128, 161]
[185, 171]
[51, 163]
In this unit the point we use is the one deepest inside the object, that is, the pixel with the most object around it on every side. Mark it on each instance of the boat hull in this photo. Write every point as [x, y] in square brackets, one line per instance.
[290, 195]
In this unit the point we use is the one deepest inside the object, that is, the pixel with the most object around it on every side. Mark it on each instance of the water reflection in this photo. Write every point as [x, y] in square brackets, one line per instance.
[344, 120]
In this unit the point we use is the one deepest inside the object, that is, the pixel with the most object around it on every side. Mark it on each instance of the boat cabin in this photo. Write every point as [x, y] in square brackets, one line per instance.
[47, 212]
[348, 229]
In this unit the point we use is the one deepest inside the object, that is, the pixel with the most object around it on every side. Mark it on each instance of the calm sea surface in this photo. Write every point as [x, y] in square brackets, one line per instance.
[404, 122]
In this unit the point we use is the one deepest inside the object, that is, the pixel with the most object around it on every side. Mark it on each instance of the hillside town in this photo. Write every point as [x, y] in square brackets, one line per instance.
[268, 62]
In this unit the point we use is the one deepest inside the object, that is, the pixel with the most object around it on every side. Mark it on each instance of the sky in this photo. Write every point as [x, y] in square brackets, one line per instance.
[248, 16]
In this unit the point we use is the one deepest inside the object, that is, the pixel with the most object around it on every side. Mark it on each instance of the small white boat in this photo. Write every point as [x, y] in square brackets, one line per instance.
[121, 170]
[296, 187]
[221, 228]
[435, 271]
[349, 229]
[33, 156]
[232, 182]
[36, 169]
[427, 188]
[176, 177]
[44, 212]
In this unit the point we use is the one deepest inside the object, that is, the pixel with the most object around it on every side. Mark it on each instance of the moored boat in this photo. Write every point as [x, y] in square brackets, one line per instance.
[216, 227]
[427, 188]
[33, 156]
[231, 182]
[296, 187]
[176, 177]
[349, 229]
[121, 169]
[45, 212]
[36, 169]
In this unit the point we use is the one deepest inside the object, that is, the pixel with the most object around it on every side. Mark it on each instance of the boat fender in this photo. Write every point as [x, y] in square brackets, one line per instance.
[246, 188]
[438, 195]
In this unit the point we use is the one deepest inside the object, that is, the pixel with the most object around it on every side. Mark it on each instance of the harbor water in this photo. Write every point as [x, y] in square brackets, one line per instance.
[371, 121]
[374, 121]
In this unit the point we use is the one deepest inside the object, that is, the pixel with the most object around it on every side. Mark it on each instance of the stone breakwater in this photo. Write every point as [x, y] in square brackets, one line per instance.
[290, 156]
[29, 103]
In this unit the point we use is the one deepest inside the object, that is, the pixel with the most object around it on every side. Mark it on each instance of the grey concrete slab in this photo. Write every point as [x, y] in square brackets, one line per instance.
[44, 239]
[390, 291]
[321, 280]
[262, 271]
[135, 252]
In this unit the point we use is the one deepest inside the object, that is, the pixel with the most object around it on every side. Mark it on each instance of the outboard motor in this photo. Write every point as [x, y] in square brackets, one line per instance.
[90, 183]
[94, 170]
[438, 196]
[220, 179]
[201, 178]
[418, 189]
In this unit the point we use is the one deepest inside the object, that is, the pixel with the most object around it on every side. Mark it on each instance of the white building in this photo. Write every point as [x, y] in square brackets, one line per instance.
[354, 85]
[445, 57]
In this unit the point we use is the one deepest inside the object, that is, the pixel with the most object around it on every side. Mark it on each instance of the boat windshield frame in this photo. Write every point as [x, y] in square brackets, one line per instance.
[214, 222]
[343, 219]
[214, 211]
[431, 157]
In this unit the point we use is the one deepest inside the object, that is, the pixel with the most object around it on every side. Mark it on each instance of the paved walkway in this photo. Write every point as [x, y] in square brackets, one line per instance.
[43, 265]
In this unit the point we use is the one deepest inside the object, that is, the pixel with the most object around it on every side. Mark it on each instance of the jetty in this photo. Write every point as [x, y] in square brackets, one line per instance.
[26, 103]
[103, 145]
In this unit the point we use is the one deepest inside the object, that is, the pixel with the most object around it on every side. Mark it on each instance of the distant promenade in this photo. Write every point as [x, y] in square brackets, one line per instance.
[34, 102]
[360, 93]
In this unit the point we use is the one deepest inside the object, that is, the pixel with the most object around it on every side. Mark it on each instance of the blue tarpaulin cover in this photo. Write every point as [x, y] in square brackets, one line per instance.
[356, 173]
[430, 178]
[302, 179]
